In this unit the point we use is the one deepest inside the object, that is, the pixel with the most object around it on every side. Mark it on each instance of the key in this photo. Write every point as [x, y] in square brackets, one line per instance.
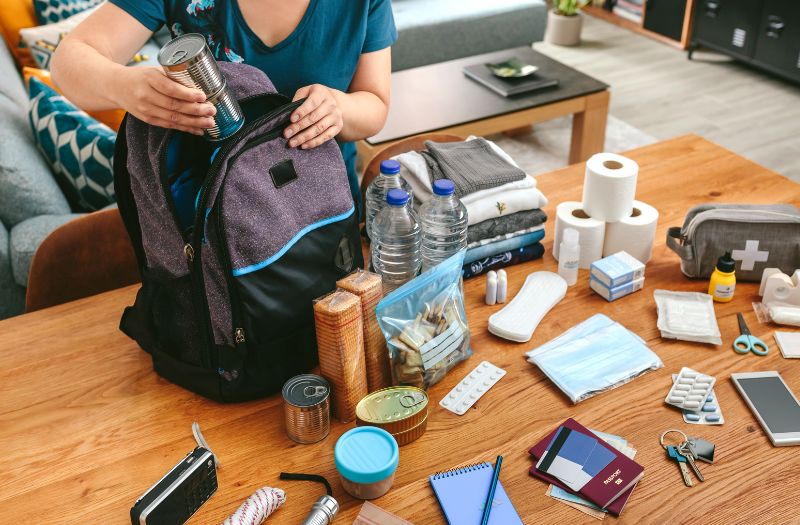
[686, 452]
[673, 454]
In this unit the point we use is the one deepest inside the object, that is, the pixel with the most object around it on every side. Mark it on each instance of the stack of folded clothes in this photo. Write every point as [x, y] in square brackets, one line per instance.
[506, 223]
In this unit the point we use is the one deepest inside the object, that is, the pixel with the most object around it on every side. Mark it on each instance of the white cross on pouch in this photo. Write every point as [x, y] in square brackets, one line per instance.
[750, 255]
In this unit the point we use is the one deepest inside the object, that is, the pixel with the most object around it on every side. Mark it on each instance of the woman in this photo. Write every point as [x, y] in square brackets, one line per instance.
[335, 53]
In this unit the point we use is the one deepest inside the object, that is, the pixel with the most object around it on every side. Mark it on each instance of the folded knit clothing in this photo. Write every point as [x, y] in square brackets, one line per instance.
[505, 224]
[504, 236]
[487, 250]
[502, 260]
[505, 203]
[472, 165]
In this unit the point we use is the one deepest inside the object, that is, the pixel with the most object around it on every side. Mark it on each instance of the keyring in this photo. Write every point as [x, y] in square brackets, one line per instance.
[661, 439]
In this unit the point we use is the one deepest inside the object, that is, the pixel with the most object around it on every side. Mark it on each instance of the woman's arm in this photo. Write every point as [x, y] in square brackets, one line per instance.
[88, 67]
[357, 114]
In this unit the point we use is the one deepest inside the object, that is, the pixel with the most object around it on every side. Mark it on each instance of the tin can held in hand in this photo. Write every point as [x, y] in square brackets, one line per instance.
[188, 61]
[306, 407]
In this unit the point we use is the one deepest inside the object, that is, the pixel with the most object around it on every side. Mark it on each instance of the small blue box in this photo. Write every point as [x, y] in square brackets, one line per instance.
[612, 294]
[617, 269]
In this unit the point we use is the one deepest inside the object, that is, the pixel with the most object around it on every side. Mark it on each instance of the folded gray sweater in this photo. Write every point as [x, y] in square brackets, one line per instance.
[471, 165]
[490, 228]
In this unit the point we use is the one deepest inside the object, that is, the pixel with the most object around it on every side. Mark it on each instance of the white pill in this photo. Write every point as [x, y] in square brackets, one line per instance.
[675, 399]
[692, 404]
[684, 381]
[682, 387]
[695, 398]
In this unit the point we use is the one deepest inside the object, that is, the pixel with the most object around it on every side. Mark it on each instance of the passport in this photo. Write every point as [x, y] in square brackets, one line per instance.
[610, 487]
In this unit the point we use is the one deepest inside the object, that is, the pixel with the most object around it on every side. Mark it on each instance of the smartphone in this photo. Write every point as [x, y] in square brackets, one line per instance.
[774, 405]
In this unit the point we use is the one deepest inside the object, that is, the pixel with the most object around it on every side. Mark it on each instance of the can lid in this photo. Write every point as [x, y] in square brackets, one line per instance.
[306, 390]
[392, 404]
[444, 187]
[366, 455]
[397, 197]
[390, 167]
[181, 49]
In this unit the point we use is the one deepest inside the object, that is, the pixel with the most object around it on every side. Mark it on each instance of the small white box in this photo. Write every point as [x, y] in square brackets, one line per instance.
[617, 269]
[612, 294]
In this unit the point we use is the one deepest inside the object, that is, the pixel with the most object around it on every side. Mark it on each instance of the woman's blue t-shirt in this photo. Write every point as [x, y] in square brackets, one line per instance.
[323, 49]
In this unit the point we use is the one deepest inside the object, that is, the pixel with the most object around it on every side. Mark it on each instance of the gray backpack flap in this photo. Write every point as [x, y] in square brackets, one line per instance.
[758, 235]
[234, 241]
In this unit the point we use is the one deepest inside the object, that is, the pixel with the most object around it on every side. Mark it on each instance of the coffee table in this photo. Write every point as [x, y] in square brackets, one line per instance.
[86, 426]
[440, 98]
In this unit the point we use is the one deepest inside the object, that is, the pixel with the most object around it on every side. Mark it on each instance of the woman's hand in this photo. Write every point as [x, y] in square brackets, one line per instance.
[317, 120]
[149, 95]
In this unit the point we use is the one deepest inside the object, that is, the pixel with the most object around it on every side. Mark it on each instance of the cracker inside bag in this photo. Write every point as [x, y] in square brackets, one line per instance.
[425, 325]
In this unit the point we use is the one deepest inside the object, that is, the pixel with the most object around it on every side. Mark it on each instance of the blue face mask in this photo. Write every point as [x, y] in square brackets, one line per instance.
[596, 355]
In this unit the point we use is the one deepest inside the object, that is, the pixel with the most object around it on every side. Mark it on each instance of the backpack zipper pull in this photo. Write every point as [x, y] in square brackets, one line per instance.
[239, 335]
[189, 252]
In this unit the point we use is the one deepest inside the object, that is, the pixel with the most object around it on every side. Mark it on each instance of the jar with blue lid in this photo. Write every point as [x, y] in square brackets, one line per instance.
[366, 459]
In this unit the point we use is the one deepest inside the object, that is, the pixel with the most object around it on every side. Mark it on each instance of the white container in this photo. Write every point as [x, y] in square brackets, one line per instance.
[569, 253]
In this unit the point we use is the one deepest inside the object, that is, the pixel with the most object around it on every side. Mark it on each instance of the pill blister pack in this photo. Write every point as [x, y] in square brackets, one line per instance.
[467, 392]
[690, 390]
[710, 413]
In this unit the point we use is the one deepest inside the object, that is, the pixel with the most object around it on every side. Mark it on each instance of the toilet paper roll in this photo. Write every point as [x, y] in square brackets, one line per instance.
[571, 214]
[609, 186]
[634, 234]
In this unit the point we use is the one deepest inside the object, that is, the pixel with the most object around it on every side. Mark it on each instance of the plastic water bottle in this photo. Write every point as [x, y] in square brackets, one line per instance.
[395, 245]
[377, 191]
[444, 225]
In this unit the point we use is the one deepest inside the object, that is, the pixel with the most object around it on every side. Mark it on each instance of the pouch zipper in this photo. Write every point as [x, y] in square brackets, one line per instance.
[199, 225]
[728, 214]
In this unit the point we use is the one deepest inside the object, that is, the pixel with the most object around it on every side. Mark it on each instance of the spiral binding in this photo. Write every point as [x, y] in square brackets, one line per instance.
[457, 471]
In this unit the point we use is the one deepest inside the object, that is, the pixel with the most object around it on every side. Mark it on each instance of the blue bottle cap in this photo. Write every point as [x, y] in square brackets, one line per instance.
[390, 167]
[396, 197]
[444, 187]
[366, 455]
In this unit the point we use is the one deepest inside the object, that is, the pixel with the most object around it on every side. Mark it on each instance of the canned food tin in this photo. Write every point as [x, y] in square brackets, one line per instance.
[407, 436]
[229, 118]
[394, 409]
[187, 59]
[306, 406]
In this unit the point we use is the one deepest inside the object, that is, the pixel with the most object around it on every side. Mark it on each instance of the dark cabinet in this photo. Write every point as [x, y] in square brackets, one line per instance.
[665, 17]
[728, 25]
[779, 36]
[764, 33]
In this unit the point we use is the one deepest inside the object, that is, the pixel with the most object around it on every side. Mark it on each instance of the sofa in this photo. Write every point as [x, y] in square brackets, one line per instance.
[32, 205]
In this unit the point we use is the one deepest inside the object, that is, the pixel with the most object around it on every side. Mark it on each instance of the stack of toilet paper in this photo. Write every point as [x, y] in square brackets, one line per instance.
[609, 219]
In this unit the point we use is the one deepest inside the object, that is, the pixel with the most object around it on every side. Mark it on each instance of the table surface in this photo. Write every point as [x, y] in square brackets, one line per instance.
[439, 95]
[86, 426]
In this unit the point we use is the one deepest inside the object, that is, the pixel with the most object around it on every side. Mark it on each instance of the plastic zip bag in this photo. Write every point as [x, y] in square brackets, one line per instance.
[425, 325]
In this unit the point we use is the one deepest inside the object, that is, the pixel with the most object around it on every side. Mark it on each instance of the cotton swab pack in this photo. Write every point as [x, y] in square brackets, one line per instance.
[517, 321]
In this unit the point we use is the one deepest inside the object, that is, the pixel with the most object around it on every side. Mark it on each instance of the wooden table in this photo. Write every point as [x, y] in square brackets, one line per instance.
[440, 98]
[86, 425]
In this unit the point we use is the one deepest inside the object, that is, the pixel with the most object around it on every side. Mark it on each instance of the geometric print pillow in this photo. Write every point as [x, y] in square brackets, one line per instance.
[51, 11]
[80, 149]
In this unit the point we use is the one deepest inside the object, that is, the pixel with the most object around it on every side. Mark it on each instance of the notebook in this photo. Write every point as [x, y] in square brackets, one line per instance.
[507, 87]
[462, 493]
[610, 488]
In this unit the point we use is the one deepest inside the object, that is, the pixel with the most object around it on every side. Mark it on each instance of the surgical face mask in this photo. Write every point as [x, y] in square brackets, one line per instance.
[594, 356]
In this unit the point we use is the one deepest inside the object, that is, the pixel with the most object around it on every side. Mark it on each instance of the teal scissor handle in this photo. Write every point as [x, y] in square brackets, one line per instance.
[748, 343]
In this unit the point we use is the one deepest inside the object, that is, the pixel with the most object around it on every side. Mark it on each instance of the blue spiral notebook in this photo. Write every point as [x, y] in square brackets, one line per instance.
[462, 493]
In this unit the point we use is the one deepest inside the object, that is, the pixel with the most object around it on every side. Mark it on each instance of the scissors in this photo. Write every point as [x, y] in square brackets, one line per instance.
[747, 342]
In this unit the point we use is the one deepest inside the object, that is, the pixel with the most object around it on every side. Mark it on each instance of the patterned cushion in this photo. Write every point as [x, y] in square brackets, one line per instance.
[43, 40]
[52, 11]
[80, 149]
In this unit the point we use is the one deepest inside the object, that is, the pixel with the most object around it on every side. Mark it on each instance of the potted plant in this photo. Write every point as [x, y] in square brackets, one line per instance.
[564, 22]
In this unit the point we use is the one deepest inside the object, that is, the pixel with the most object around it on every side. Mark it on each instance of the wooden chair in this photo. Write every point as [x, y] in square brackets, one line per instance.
[86, 256]
[416, 143]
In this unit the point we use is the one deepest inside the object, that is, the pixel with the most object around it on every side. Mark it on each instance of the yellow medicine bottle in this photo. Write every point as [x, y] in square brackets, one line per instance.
[723, 280]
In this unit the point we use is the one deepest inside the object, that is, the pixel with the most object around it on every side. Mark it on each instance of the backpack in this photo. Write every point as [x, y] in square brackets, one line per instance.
[234, 240]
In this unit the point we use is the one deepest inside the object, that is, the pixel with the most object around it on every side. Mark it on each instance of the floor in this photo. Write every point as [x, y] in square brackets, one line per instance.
[657, 90]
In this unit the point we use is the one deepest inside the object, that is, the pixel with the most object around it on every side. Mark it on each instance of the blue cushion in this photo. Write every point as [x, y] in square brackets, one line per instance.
[12, 295]
[51, 11]
[79, 148]
[25, 240]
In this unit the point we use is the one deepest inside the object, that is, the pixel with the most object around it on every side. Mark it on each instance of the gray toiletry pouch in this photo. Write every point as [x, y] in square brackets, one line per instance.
[758, 235]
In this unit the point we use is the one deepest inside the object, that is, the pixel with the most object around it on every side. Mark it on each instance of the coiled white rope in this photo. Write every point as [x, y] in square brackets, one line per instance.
[257, 507]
